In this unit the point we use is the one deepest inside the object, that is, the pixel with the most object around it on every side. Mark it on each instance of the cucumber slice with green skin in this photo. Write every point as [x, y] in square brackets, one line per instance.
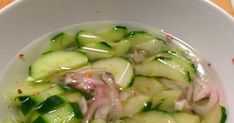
[188, 65]
[98, 121]
[182, 117]
[136, 104]
[137, 37]
[167, 67]
[26, 104]
[120, 68]
[146, 85]
[144, 41]
[151, 117]
[56, 61]
[93, 45]
[121, 48]
[76, 110]
[28, 88]
[97, 47]
[72, 96]
[97, 50]
[114, 34]
[217, 115]
[165, 101]
[85, 37]
[94, 55]
[50, 104]
[62, 41]
[63, 114]
[42, 96]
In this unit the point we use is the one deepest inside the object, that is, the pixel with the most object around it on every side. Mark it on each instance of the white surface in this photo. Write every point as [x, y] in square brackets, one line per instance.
[207, 29]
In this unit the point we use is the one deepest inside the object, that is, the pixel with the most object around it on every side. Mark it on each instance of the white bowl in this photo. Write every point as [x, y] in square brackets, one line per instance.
[199, 23]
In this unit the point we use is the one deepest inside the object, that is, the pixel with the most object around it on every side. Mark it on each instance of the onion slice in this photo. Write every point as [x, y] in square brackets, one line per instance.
[214, 98]
[93, 107]
[201, 89]
[114, 94]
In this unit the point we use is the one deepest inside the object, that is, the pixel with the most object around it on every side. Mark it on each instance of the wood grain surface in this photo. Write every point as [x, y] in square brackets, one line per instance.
[226, 5]
[3, 3]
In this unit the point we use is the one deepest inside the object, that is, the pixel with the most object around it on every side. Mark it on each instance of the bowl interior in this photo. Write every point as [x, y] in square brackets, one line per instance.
[207, 29]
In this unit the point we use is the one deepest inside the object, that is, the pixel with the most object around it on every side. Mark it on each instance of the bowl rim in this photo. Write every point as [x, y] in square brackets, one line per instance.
[206, 3]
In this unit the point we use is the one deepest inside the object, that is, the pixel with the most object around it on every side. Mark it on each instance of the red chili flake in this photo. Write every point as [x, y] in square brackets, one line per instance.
[232, 60]
[21, 56]
[88, 74]
[19, 91]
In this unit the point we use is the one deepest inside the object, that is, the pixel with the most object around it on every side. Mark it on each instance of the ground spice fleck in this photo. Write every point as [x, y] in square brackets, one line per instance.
[21, 56]
[148, 88]
[209, 64]
[19, 91]
[35, 94]
[232, 60]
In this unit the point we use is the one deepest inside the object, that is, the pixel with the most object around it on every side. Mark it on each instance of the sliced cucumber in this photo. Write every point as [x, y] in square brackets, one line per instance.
[97, 47]
[28, 88]
[56, 61]
[120, 68]
[97, 50]
[93, 45]
[181, 117]
[188, 65]
[62, 41]
[85, 37]
[166, 100]
[217, 115]
[27, 103]
[72, 96]
[114, 34]
[147, 86]
[50, 104]
[137, 37]
[136, 104]
[76, 110]
[63, 114]
[151, 117]
[168, 66]
[121, 48]
[98, 121]
[144, 41]
[42, 96]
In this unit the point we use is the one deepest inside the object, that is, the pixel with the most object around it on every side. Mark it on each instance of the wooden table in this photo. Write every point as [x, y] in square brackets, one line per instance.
[225, 4]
